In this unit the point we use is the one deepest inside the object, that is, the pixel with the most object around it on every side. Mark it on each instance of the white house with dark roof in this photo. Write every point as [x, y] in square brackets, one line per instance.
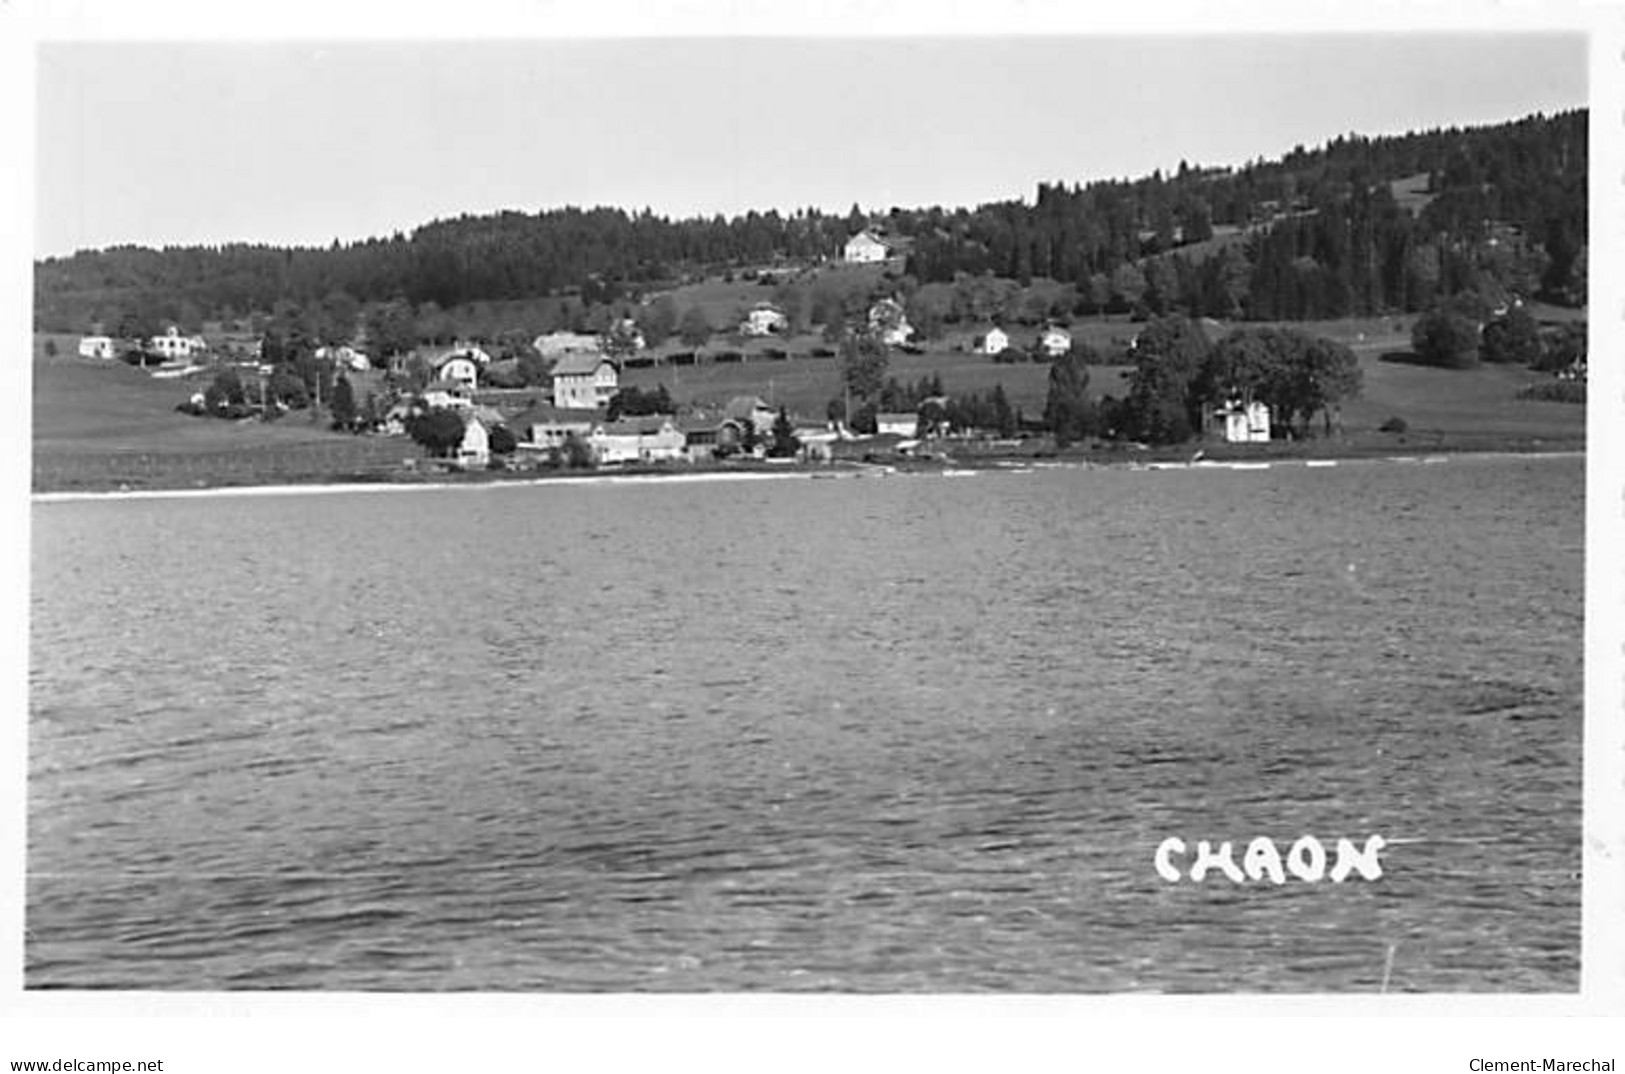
[172, 345]
[97, 347]
[865, 248]
[584, 381]
[994, 341]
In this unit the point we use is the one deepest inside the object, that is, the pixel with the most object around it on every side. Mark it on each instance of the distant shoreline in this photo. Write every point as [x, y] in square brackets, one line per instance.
[999, 465]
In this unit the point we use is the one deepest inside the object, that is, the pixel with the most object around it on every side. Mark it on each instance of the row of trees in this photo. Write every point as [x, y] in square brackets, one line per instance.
[1178, 374]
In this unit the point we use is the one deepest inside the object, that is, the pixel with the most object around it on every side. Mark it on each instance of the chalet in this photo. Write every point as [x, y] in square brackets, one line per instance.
[764, 319]
[995, 341]
[647, 439]
[175, 347]
[458, 366]
[97, 347]
[1242, 422]
[558, 344]
[1054, 342]
[584, 381]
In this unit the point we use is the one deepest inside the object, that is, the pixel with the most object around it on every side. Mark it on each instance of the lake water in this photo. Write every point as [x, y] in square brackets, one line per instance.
[879, 734]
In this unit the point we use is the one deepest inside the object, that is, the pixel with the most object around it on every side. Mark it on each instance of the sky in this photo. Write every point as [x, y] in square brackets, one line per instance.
[306, 142]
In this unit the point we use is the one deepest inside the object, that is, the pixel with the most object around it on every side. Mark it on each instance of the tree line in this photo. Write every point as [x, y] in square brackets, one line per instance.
[1321, 235]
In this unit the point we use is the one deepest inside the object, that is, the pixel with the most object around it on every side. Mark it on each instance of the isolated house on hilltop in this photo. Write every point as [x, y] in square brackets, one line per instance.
[584, 381]
[865, 248]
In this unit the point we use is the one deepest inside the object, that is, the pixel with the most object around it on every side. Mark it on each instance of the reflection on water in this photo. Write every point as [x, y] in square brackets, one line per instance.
[899, 734]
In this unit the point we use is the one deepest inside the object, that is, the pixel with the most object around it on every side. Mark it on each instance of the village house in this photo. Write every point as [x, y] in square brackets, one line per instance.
[547, 427]
[700, 437]
[345, 356]
[1242, 422]
[655, 438]
[448, 394]
[764, 319]
[864, 248]
[457, 366]
[584, 381]
[898, 424]
[888, 321]
[558, 344]
[742, 409]
[872, 246]
[97, 347]
[475, 450]
[175, 347]
[1054, 342]
[994, 341]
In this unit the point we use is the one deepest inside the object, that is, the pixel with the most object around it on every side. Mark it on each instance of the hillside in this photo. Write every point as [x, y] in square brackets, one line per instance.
[1423, 239]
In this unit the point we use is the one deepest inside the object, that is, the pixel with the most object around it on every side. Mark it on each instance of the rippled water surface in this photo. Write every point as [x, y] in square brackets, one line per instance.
[905, 733]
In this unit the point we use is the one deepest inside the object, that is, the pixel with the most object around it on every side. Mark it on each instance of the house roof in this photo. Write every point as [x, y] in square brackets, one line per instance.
[544, 414]
[640, 426]
[890, 419]
[580, 363]
[745, 406]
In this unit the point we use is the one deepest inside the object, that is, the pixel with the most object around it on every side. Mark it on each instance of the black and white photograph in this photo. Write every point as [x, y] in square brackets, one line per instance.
[814, 514]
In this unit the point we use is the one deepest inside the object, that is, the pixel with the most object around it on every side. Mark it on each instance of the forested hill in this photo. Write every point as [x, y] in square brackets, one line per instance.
[1318, 233]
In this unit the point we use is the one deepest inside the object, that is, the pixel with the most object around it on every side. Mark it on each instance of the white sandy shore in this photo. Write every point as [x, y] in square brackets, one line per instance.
[1007, 467]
